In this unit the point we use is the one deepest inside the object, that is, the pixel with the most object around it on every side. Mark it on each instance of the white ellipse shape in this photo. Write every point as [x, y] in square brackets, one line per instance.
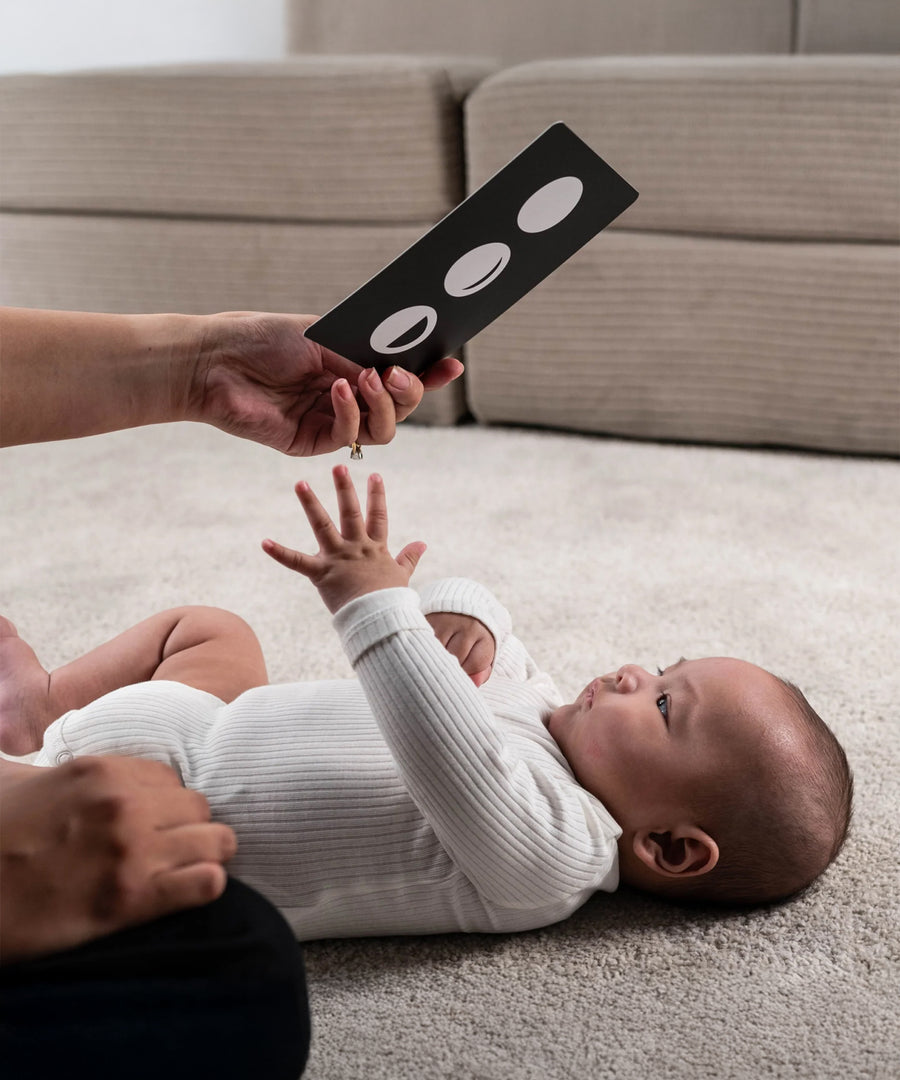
[550, 204]
[390, 335]
[476, 269]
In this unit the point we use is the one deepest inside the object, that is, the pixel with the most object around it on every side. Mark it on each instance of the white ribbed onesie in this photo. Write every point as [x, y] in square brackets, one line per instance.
[402, 802]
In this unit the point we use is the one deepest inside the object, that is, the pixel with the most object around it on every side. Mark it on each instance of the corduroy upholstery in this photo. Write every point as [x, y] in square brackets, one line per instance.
[752, 293]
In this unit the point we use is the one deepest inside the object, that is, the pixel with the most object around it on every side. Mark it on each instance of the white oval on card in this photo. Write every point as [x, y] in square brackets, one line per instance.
[549, 205]
[403, 330]
[476, 269]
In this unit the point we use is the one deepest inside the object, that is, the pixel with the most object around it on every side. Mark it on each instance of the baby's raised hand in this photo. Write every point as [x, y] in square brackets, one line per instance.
[468, 639]
[354, 559]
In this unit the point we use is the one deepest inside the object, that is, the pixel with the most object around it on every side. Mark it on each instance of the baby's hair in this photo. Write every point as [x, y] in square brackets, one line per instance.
[781, 829]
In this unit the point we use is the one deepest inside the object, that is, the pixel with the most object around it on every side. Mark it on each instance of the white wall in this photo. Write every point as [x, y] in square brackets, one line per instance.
[58, 35]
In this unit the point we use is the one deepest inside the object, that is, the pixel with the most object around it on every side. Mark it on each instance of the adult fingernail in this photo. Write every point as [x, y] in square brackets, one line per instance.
[343, 388]
[375, 381]
[398, 379]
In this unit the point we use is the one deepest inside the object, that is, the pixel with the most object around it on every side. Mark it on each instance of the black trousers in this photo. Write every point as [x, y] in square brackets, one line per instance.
[213, 991]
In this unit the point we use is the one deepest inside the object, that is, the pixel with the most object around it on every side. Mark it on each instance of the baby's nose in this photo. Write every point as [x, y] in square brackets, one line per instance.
[628, 678]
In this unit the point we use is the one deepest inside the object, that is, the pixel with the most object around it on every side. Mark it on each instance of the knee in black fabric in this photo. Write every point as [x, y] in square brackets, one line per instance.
[218, 990]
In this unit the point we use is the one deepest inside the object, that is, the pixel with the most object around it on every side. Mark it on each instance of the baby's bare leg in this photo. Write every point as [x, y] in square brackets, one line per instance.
[24, 688]
[208, 648]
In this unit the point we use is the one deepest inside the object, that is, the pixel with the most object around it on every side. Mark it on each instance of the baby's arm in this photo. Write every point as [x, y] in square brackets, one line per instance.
[513, 820]
[355, 560]
[524, 832]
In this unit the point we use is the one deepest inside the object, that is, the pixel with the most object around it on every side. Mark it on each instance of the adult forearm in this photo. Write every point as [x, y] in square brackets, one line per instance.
[64, 374]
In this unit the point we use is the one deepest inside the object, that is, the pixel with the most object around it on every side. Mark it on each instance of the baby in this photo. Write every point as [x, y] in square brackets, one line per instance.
[448, 787]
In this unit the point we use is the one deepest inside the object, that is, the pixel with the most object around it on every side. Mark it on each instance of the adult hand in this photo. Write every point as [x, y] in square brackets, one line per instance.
[67, 374]
[468, 639]
[354, 559]
[98, 844]
[257, 376]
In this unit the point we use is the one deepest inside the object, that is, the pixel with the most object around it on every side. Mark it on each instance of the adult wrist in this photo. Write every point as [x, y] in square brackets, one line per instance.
[213, 345]
[175, 345]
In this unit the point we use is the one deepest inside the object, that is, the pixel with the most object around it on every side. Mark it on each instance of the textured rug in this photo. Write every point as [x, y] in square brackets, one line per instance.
[605, 552]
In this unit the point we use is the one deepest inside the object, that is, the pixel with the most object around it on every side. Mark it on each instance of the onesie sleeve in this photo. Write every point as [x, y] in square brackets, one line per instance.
[525, 836]
[461, 596]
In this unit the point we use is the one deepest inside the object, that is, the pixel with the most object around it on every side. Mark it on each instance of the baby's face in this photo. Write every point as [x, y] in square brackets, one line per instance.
[644, 743]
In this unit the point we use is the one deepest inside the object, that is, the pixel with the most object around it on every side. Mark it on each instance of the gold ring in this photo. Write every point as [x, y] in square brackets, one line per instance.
[355, 451]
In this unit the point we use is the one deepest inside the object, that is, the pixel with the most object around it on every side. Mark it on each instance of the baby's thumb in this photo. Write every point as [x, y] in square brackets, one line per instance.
[408, 559]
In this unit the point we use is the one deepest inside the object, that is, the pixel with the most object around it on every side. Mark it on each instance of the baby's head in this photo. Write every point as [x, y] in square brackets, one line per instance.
[728, 787]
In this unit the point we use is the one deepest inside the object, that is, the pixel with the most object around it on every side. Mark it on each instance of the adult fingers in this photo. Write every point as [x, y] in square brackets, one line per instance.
[345, 427]
[112, 771]
[381, 421]
[183, 887]
[189, 844]
[405, 390]
[441, 373]
[182, 807]
[157, 871]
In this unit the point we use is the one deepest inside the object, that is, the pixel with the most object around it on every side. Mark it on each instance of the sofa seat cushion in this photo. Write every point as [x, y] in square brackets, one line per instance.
[87, 263]
[704, 339]
[799, 147]
[309, 138]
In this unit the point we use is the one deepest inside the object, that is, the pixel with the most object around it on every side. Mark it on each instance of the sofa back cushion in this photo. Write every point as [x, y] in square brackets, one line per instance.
[512, 31]
[750, 295]
[836, 26]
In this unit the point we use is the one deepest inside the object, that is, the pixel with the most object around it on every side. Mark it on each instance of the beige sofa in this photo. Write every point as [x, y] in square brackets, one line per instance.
[749, 296]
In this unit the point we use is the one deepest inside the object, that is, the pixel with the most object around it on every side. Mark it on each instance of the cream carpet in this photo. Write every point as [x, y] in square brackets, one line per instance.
[605, 552]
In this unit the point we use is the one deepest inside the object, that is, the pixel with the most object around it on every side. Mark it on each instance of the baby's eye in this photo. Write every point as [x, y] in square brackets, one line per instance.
[662, 703]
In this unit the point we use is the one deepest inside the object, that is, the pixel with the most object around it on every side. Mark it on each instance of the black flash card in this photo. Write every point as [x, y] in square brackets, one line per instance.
[481, 258]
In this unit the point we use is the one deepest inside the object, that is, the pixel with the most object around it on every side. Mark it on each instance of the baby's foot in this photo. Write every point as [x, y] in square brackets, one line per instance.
[24, 694]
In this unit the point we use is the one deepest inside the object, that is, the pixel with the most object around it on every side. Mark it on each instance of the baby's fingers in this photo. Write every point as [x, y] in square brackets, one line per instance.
[352, 524]
[376, 509]
[475, 653]
[318, 517]
[480, 659]
[306, 565]
[408, 559]
[479, 678]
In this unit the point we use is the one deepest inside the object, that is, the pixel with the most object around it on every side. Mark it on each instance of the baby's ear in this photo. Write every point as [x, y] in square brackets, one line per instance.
[677, 853]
